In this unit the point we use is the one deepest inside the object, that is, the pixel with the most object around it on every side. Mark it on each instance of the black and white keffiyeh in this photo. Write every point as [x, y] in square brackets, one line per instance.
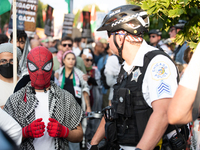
[62, 107]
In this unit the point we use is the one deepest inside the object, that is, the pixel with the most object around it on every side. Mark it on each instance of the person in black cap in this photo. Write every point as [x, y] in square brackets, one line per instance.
[180, 49]
[155, 36]
[176, 28]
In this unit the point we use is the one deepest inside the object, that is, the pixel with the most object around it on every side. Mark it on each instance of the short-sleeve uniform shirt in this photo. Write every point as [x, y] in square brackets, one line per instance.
[160, 80]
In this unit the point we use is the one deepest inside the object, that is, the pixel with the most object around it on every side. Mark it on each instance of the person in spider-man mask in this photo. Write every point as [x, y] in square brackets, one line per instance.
[49, 116]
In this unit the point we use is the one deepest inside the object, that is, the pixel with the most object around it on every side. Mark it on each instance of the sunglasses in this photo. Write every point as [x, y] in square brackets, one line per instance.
[109, 34]
[69, 45]
[89, 60]
[171, 30]
[152, 36]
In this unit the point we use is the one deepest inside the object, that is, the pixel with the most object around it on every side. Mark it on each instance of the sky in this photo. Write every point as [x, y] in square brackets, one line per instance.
[79, 4]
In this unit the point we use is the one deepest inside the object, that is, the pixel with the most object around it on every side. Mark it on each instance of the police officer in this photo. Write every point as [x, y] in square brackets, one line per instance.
[146, 83]
[155, 36]
[180, 49]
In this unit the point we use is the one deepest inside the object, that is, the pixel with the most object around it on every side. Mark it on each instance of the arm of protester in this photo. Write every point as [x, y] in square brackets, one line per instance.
[112, 69]
[180, 108]
[100, 133]
[76, 135]
[111, 93]
[87, 101]
[56, 75]
[97, 77]
[80, 64]
[84, 84]
[156, 125]
[85, 88]
[110, 79]
[85, 77]
[10, 126]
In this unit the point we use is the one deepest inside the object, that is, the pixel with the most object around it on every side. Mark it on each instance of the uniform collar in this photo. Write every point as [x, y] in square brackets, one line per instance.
[139, 58]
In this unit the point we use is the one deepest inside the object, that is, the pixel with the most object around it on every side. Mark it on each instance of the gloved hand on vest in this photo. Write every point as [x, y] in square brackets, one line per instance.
[55, 129]
[92, 147]
[34, 129]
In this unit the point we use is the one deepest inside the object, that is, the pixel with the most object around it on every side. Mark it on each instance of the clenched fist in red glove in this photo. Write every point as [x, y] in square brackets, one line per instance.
[34, 129]
[55, 129]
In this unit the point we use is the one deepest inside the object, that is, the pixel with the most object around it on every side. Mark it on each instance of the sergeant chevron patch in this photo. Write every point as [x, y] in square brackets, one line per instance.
[163, 88]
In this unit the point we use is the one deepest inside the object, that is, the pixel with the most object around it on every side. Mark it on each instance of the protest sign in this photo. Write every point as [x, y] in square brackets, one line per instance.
[26, 16]
[86, 29]
[67, 29]
[49, 26]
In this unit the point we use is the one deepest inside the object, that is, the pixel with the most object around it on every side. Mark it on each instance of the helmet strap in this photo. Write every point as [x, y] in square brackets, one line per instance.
[121, 60]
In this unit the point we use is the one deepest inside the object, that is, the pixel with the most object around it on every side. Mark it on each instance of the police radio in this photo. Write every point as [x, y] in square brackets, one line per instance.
[176, 142]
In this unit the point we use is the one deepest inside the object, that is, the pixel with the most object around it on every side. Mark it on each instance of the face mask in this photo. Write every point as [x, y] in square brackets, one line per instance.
[6, 70]
[89, 45]
[40, 65]
[83, 45]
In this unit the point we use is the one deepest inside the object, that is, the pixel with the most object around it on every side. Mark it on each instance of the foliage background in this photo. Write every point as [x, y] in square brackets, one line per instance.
[163, 14]
[166, 13]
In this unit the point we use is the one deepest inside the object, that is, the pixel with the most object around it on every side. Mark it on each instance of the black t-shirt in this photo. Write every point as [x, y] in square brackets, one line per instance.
[70, 88]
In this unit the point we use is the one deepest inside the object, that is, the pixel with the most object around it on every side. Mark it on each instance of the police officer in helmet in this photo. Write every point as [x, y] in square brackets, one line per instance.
[146, 83]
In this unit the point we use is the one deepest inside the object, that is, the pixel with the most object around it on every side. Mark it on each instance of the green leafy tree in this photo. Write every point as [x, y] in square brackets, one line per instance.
[4, 18]
[41, 7]
[76, 17]
[166, 13]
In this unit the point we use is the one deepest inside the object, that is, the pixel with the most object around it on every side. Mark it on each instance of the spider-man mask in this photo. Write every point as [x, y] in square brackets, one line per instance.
[40, 64]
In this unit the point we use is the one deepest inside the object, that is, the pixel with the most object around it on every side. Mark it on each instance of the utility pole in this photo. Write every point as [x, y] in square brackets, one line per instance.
[14, 44]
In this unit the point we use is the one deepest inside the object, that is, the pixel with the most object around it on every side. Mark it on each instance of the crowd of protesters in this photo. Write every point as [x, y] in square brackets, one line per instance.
[86, 71]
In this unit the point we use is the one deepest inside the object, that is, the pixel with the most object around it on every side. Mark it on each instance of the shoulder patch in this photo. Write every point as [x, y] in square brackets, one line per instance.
[160, 71]
[163, 88]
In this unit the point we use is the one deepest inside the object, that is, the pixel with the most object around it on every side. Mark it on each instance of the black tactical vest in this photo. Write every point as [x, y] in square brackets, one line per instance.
[131, 112]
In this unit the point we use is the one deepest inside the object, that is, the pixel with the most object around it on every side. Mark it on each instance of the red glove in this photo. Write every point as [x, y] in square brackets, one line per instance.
[55, 129]
[34, 129]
